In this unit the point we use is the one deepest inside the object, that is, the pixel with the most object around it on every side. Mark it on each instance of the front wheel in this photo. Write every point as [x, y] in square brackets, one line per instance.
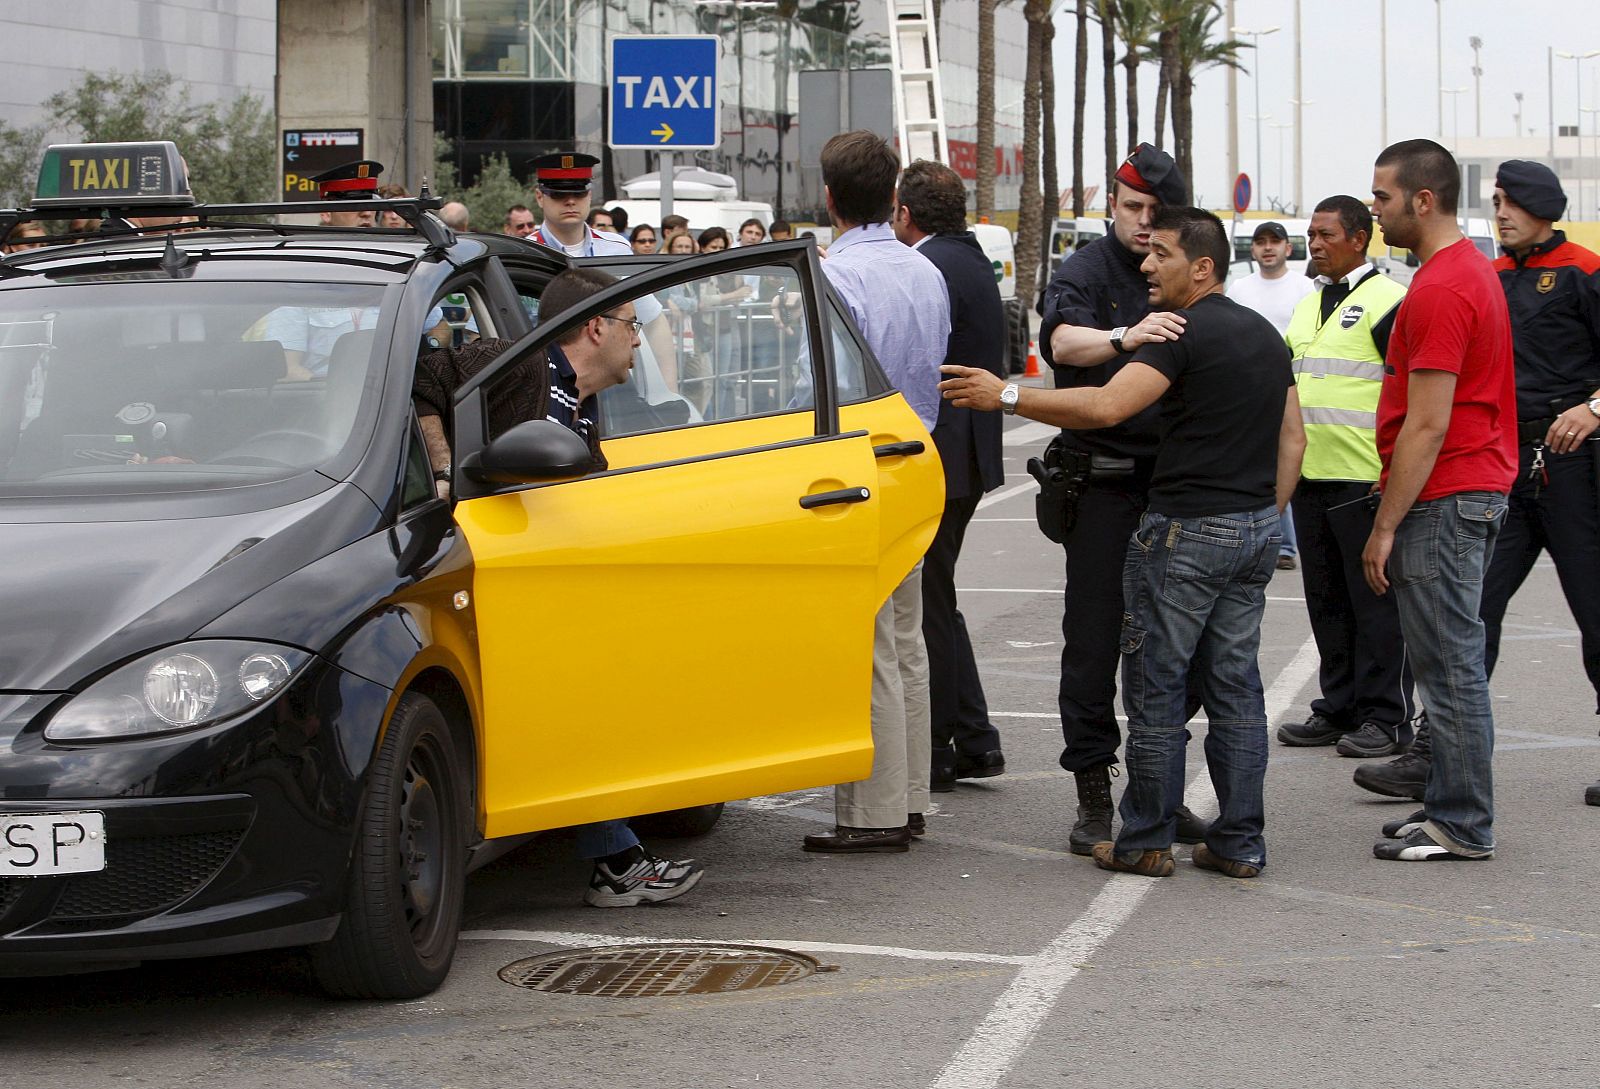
[408, 872]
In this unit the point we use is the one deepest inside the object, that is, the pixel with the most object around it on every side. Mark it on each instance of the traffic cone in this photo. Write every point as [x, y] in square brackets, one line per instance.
[1033, 360]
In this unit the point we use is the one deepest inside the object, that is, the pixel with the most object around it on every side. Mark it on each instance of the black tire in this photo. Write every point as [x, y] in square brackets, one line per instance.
[697, 820]
[408, 872]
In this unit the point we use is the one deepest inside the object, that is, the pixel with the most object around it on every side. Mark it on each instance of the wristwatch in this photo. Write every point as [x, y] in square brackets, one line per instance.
[1116, 338]
[442, 474]
[1008, 399]
[1594, 406]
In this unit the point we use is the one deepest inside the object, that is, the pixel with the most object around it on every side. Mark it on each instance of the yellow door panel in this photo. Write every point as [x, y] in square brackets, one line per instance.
[652, 448]
[910, 488]
[677, 634]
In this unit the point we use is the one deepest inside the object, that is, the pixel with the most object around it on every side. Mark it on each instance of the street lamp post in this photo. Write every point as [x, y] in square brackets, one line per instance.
[1594, 112]
[1476, 44]
[1577, 60]
[1281, 126]
[1518, 96]
[1299, 153]
[1255, 44]
[1455, 115]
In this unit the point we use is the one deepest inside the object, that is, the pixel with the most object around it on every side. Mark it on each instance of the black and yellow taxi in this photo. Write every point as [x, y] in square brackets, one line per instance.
[260, 686]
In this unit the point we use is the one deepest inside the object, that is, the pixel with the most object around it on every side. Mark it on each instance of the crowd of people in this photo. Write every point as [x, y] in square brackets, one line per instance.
[1434, 439]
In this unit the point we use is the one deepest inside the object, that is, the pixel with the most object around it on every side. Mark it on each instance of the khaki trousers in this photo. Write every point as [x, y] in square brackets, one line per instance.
[901, 737]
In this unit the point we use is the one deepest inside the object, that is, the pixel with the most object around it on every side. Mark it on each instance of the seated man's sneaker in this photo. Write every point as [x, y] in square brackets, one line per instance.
[1148, 864]
[1371, 741]
[1403, 827]
[649, 880]
[1418, 846]
[1317, 729]
[1207, 859]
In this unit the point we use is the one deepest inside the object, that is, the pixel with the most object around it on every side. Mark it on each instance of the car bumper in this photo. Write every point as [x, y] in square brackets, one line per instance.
[219, 841]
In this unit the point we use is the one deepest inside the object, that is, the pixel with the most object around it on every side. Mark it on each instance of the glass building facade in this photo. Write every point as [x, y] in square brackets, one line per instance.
[527, 77]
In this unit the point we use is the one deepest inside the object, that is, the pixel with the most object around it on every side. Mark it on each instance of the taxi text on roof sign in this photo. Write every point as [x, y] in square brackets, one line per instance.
[102, 175]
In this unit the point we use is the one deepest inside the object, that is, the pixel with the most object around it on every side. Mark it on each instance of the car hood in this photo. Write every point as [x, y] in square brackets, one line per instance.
[79, 596]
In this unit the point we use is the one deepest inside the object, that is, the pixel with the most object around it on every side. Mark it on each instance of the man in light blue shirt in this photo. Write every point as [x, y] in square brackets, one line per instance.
[901, 305]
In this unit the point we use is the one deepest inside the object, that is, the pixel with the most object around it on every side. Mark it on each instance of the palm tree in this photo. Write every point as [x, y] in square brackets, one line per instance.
[1050, 203]
[1106, 12]
[985, 181]
[1135, 23]
[1080, 95]
[1037, 12]
[1166, 16]
[1197, 49]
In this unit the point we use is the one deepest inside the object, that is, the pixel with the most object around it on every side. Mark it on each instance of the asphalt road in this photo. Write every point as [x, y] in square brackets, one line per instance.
[987, 956]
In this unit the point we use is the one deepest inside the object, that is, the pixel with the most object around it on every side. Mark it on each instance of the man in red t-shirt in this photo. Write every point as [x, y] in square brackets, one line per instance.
[1447, 437]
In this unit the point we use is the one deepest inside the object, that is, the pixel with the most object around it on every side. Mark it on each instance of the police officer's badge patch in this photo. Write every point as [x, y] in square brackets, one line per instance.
[1547, 282]
[1350, 315]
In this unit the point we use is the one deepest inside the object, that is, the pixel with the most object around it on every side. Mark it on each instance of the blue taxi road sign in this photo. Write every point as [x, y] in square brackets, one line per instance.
[664, 92]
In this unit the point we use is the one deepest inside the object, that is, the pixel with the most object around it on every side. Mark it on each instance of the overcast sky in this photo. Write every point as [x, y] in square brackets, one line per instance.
[1340, 83]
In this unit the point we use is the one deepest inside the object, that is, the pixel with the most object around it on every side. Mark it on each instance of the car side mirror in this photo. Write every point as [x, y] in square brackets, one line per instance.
[531, 451]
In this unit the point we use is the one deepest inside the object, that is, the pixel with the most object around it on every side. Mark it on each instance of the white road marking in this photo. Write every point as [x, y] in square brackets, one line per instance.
[569, 939]
[1000, 1039]
[1006, 493]
[1030, 433]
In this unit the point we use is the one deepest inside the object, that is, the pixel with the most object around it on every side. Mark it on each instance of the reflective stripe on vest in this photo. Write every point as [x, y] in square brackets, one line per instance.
[1339, 375]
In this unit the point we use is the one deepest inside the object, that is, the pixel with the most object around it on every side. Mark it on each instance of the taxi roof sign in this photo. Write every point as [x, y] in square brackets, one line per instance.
[112, 175]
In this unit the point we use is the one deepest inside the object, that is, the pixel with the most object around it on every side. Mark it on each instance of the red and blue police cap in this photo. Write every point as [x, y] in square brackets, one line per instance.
[1152, 171]
[564, 172]
[351, 181]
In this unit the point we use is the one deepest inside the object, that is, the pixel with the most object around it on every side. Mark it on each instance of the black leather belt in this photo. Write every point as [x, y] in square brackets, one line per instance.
[1532, 431]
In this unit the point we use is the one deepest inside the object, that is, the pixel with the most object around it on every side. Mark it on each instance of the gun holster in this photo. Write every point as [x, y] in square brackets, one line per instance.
[1061, 473]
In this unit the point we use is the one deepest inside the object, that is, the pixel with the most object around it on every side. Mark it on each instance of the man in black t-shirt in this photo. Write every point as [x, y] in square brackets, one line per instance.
[1194, 583]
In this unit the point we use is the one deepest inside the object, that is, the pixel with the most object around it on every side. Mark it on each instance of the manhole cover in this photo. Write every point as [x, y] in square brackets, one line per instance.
[650, 971]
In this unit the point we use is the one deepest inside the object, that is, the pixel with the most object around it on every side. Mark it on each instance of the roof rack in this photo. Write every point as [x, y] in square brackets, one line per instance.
[414, 210]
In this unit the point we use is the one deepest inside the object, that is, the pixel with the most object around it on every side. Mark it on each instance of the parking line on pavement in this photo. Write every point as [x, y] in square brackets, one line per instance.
[1005, 493]
[1030, 433]
[573, 940]
[1000, 1039]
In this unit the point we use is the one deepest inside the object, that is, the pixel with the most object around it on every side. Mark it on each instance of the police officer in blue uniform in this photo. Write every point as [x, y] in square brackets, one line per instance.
[1096, 310]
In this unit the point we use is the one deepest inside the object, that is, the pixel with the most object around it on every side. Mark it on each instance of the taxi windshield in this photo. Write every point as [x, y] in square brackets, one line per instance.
[112, 388]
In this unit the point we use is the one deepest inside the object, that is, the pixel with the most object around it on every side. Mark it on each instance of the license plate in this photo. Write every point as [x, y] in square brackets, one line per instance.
[47, 844]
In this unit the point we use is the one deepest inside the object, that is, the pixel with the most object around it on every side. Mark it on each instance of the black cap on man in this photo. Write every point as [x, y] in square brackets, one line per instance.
[350, 181]
[564, 172]
[1533, 187]
[1151, 170]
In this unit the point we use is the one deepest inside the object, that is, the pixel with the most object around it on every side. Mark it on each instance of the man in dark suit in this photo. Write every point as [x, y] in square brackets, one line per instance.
[931, 216]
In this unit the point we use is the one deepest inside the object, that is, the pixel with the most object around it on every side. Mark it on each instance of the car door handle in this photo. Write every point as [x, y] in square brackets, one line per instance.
[827, 499]
[898, 449]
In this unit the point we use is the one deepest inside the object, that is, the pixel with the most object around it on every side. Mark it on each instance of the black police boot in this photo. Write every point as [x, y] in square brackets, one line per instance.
[1094, 809]
[1406, 776]
[1591, 794]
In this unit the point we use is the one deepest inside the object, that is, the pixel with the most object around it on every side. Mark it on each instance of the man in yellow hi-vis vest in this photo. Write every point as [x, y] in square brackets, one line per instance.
[1337, 336]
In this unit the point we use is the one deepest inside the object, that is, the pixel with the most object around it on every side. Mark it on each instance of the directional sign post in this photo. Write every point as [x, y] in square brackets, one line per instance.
[308, 152]
[665, 97]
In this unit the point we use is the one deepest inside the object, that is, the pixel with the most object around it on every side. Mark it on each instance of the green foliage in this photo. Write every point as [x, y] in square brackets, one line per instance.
[231, 149]
[442, 178]
[20, 150]
[496, 190]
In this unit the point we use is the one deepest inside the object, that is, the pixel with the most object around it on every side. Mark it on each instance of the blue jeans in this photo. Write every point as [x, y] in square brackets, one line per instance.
[1441, 551]
[1195, 590]
[604, 838]
[1291, 543]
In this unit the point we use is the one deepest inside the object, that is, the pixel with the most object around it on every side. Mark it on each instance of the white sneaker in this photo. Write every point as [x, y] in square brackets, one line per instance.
[648, 881]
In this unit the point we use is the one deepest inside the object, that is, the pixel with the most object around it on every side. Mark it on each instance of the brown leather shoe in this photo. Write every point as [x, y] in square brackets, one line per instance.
[846, 840]
[916, 824]
[1148, 864]
[1207, 859]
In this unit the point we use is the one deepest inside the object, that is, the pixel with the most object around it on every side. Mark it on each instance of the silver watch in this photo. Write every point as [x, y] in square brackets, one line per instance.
[1594, 406]
[1008, 399]
[1116, 338]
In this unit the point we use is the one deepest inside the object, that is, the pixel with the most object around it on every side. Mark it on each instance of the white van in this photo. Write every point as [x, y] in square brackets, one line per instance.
[1000, 247]
[703, 197]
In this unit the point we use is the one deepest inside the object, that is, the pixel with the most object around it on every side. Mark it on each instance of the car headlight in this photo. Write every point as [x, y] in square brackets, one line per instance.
[178, 688]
